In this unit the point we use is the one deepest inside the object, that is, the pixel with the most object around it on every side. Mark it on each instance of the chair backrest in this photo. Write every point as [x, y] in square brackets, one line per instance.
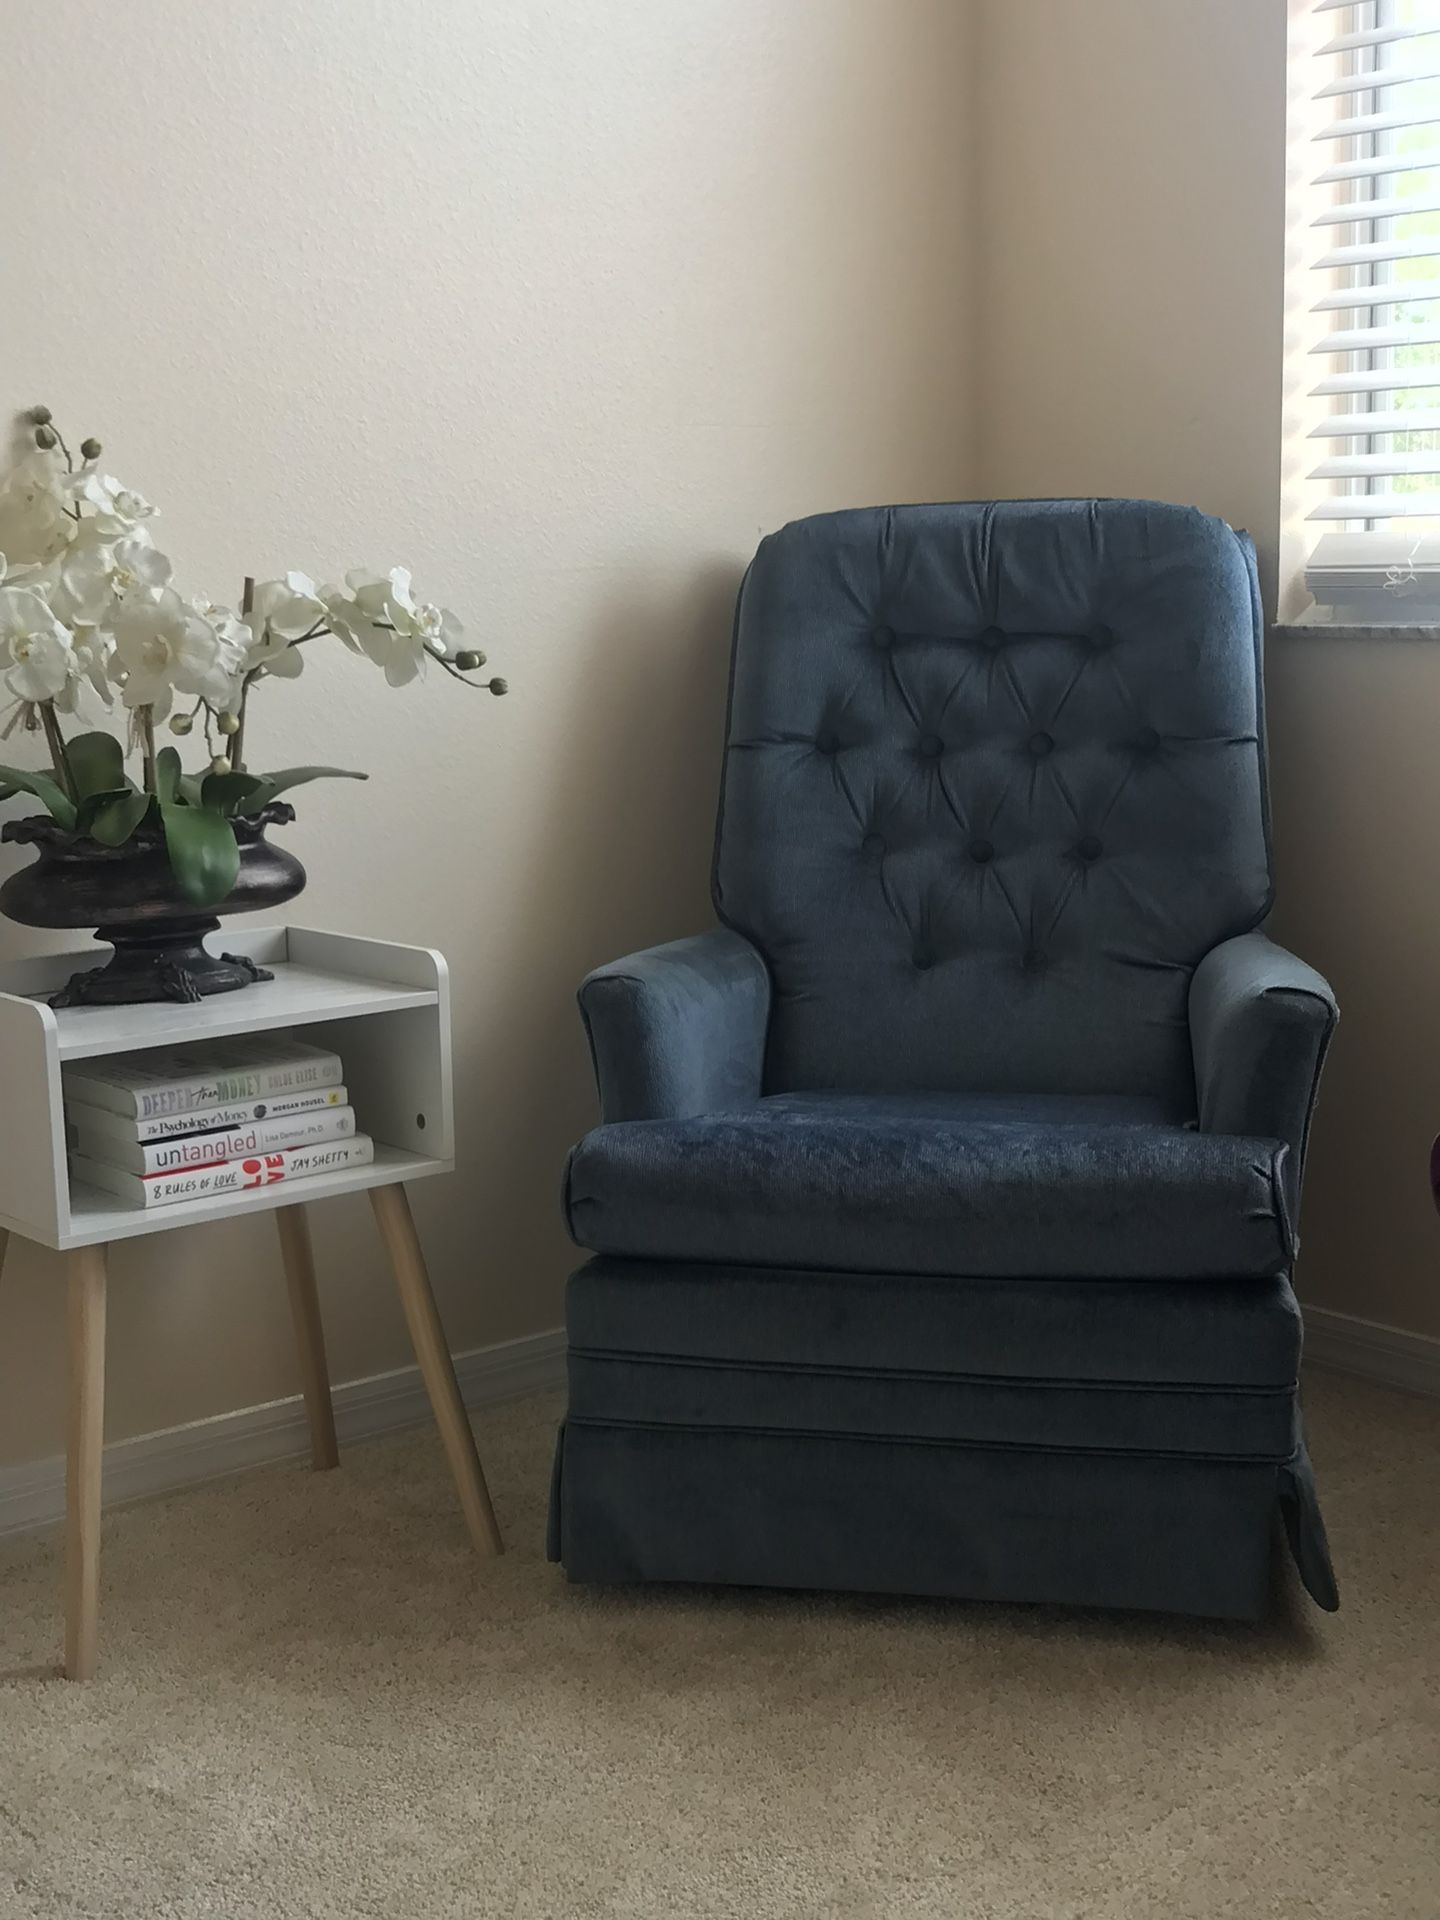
[994, 785]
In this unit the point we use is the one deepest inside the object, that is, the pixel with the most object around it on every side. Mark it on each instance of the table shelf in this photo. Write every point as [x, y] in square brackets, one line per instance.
[297, 997]
[382, 1006]
[97, 1217]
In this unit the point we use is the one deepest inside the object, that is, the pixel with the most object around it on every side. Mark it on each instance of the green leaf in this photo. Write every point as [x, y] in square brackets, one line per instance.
[60, 805]
[117, 817]
[203, 853]
[277, 783]
[167, 774]
[97, 761]
[188, 789]
[91, 803]
[227, 793]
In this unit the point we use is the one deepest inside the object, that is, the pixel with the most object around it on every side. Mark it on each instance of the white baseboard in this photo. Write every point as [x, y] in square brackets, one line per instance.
[33, 1495]
[1388, 1355]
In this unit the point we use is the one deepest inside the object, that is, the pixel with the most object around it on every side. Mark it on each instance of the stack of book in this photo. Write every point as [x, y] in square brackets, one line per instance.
[226, 1116]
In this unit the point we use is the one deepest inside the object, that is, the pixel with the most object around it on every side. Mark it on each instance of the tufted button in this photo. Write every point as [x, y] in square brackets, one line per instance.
[1032, 960]
[924, 959]
[1089, 848]
[826, 742]
[873, 844]
[992, 638]
[884, 636]
[981, 852]
[931, 745]
[1147, 740]
[1040, 744]
[1100, 638]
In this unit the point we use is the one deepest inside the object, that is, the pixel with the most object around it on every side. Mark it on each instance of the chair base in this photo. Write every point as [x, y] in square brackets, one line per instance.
[727, 1506]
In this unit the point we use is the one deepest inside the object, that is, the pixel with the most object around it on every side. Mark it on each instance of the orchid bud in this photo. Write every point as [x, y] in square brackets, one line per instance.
[91, 449]
[219, 764]
[40, 416]
[498, 686]
[181, 723]
[228, 722]
[44, 438]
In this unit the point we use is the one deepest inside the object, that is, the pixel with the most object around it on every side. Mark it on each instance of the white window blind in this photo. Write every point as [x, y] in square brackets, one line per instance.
[1375, 356]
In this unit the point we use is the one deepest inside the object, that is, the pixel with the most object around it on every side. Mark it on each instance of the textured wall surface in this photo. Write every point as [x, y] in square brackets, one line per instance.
[564, 305]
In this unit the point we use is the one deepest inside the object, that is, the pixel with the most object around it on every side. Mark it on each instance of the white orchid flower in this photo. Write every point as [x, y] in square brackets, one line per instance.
[163, 647]
[281, 612]
[35, 651]
[398, 629]
[34, 526]
[90, 655]
[96, 572]
[372, 593]
[115, 508]
[232, 632]
[373, 596]
[344, 618]
[436, 628]
[289, 607]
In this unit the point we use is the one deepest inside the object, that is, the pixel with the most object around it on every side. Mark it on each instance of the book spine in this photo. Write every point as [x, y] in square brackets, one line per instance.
[305, 1072]
[206, 1149]
[253, 1083]
[80, 1116]
[249, 1175]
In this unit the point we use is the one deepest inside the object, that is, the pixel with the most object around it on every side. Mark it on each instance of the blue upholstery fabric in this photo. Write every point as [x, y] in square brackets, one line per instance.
[992, 791]
[1260, 1023]
[717, 1504]
[911, 1184]
[946, 1195]
[1234, 1333]
[678, 1030]
[1220, 1423]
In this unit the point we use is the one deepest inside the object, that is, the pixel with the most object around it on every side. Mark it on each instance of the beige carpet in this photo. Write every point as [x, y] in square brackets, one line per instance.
[315, 1703]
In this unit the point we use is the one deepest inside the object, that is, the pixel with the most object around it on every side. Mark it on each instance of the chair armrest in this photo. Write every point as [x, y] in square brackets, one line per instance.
[1260, 1021]
[678, 1030]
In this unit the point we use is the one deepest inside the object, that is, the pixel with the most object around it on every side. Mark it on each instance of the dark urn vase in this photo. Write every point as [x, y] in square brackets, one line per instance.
[130, 897]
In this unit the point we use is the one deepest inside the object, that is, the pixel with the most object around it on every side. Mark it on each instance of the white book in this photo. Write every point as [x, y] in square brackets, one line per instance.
[211, 1149]
[170, 1080]
[250, 1175]
[128, 1129]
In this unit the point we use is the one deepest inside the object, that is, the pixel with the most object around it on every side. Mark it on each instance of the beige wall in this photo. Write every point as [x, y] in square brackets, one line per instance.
[567, 307]
[1131, 261]
[564, 305]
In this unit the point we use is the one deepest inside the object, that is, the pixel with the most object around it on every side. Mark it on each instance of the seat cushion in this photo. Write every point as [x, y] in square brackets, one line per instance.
[1070, 1187]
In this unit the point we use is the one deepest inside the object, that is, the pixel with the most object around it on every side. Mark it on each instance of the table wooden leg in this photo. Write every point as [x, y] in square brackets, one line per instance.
[84, 1448]
[296, 1252]
[397, 1230]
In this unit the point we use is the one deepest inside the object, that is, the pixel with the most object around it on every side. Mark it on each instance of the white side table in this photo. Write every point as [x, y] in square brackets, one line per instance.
[385, 1009]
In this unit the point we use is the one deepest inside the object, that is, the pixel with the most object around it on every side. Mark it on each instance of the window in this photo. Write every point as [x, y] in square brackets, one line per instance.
[1372, 392]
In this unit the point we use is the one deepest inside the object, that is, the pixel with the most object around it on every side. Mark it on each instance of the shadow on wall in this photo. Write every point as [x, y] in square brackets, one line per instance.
[617, 858]
[632, 819]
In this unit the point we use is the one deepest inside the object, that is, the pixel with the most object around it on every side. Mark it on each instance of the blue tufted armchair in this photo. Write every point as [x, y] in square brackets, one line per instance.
[944, 1198]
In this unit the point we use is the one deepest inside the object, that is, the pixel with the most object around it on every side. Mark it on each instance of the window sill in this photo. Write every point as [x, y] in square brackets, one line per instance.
[1353, 630]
